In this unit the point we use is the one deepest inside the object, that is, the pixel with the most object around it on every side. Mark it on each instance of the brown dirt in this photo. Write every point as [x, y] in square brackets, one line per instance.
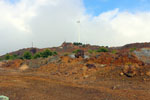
[65, 78]
[71, 79]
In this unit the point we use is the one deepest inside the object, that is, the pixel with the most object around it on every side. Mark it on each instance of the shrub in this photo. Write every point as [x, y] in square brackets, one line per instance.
[132, 49]
[76, 51]
[37, 55]
[27, 55]
[1, 59]
[7, 57]
[20, 57]
[77, 43]
[66, 54]
[102, 49]
[46, 53]
[90, 51]
[54, 53]
[15, 56]
[12, 57]
[114, 52]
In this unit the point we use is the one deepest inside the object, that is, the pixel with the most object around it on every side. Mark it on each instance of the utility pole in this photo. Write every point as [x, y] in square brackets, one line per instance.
[79, 30]
[32, 44]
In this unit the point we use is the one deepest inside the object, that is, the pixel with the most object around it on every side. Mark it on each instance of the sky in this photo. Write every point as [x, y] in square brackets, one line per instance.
[48, 23]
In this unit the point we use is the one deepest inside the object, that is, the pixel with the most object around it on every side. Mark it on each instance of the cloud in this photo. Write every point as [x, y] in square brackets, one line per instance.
[50, 22]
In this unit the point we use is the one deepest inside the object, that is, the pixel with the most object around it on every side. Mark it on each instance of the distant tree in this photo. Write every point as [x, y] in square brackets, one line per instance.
[114, 51]
[46, 53]
[77, 43]
[90, 51]
[133, 49]
[27, 55]
[20, 57]
[15, 56]
[1, 59]
[102, 49]
[7, 57]
[76, 51]
[37, 55]
[54, 53]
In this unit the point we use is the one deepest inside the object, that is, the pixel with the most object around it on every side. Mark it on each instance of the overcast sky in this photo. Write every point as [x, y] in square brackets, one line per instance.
[48, 23]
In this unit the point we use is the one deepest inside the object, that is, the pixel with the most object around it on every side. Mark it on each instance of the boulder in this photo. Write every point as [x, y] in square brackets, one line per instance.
[130, 70]
[90, 66]
[79, 53]
[24, 67]
[4, 98]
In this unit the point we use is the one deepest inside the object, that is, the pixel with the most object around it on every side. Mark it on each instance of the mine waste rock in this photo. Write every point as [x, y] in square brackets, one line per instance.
[130, 70]
[79, 53]
[4, 98]
[90, 66]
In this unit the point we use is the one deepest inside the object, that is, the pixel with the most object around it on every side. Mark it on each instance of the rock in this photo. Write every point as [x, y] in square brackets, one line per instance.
[121, 74]
[148, 73]
[86, 76]
[130, 70]
[141, 74]
[24, 67]
[4, 98]
[79, 53]
[90, 66]
[115, 87]
[102, 65]
[1, 64]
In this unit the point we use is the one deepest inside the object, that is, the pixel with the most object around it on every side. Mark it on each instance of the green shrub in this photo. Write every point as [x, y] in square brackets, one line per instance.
[15, 56]
[1, 59]
[37, 55]
[27, 55]
[77, 43]
[20, 57]
[76, 51]
[66, 54]
[114, 51]
[55, 53]
[102, 49]
[46, 53]
[7, 57]
[132, 49]
[90, 51]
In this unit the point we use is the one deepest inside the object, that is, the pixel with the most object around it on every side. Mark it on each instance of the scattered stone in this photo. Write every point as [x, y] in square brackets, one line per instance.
[79, 53]
[1, 64]
[130, 70]
[86, 76]
[121, 74]
[102, 65]
[148, 73]
[90, 66]
[24, 67]
[115, 87]
[142, 74]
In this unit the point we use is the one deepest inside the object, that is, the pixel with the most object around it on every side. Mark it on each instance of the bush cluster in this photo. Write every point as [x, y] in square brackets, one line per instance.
[133, 49]
[28, 55]
[76, 51]
[10, 57]
[77, 43]
[102, 49]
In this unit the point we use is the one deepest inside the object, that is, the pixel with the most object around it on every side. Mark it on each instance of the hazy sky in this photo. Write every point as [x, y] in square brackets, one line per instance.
[48, 23]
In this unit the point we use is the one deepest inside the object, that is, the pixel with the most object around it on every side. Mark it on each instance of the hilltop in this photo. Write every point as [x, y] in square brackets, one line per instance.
[77, 71]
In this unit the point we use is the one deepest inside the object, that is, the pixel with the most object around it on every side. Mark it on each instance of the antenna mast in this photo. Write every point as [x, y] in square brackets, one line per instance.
[79, 33]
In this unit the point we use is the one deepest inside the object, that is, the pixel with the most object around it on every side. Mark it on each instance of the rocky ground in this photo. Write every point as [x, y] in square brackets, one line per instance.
[101, 76]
